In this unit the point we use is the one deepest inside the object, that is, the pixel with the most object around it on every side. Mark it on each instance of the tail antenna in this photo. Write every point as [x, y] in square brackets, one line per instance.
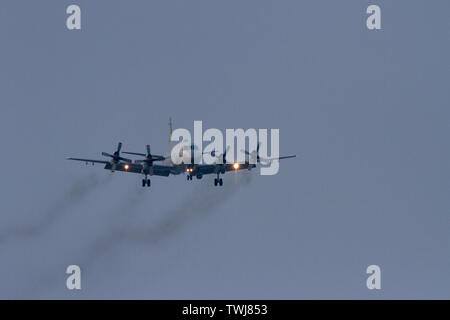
[170, 134]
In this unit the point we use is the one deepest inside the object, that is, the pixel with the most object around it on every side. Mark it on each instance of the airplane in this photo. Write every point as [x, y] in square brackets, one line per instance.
[165, 167]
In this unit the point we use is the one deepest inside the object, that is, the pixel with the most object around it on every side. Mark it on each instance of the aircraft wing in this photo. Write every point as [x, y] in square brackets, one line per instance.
[279, 158]
[163, 171]
[126, 167]
[242, 166]
[137, 168]
[213, 168]
[205, 168]
[199, 168]
[89, 160]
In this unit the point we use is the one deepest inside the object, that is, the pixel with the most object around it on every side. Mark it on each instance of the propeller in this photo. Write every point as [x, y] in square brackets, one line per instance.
[223, 155]
[255, 155]
[116, 155]
[149, 157]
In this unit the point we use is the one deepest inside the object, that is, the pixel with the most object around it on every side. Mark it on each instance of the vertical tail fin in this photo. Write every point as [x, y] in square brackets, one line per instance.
[170, 134]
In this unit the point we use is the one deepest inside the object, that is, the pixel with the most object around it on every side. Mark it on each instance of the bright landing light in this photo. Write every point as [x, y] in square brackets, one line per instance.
[126, 167]
[236, 165]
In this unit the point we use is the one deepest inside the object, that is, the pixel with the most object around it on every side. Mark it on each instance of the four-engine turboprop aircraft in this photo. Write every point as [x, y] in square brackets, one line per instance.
[164, 166]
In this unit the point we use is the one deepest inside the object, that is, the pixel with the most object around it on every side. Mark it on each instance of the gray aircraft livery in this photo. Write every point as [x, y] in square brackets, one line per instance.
[165, 166]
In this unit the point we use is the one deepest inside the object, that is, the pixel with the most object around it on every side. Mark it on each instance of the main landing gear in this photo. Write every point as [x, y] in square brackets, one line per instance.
[146, 182]
[218, 181]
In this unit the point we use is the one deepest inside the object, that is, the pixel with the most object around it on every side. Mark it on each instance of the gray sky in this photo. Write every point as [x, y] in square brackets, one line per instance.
[367, 111]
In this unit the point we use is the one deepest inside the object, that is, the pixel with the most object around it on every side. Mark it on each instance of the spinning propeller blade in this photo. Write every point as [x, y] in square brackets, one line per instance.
[149, 158]
[116, 156]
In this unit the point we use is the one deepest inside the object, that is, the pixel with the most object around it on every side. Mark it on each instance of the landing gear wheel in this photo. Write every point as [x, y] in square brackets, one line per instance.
[215, 182]
[143, 182]
[220, 182]
[148, 182]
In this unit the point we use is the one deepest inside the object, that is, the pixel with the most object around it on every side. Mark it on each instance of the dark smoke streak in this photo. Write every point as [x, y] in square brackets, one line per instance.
[121, 216]
[78, 191]
[204, 199]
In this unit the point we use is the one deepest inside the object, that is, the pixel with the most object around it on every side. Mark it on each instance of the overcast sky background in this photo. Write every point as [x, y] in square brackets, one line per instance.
[366, 111]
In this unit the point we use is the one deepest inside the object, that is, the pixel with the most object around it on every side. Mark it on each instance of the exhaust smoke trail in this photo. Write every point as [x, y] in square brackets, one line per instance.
[48, 282]
[201, 203]
[77, 192]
